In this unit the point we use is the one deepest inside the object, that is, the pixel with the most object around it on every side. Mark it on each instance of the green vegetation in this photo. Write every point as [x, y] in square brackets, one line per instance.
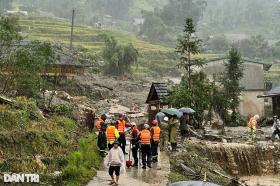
[20, 69]
[118, 58]
[45, 146]
[231, 89]
[189, 92]
[83, 162]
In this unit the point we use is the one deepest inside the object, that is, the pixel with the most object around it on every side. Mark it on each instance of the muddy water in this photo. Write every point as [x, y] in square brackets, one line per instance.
[156, 176]
[262, 180]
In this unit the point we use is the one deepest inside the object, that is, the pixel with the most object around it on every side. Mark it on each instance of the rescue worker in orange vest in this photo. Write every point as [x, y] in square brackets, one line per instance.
[121, 125]
[145, 136]
[99, 121]
[252, 126]
[112, 134]
[134, 139]
[155, 138]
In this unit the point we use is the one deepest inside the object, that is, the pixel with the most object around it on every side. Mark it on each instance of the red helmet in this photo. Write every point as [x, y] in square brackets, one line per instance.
[154, 122]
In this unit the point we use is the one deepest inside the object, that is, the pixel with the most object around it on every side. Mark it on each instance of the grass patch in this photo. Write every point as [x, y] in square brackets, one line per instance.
[83, 162]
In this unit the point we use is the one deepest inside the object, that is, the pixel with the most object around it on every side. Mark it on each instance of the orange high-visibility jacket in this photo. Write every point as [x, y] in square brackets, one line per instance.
[112, 134]
[155, 131]
[252, 123]
[145, 136]
[98, 124]
[121, 126]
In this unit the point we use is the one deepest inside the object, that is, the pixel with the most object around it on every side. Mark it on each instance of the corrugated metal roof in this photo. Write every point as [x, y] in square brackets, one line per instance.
[272, 93]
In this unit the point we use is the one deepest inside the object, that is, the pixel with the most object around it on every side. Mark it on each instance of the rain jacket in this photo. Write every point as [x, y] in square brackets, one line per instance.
[174, 127]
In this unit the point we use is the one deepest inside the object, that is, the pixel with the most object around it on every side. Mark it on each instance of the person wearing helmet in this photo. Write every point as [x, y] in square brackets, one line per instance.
[116, 160]
[112, 134]
[252, 126]
[145, 137]
[134, 140]
[275, 128]
[155, 138]
[164, 137]
[102, 139]
[121, 125]
[102, 118]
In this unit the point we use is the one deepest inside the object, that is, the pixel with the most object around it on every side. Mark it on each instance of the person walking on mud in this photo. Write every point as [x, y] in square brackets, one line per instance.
[145, 136]
[252, 126]
[275, 128]
[112, 134]
[116, 160]
[174, 128]
[121, 125]
[155, 138]
[134, 140]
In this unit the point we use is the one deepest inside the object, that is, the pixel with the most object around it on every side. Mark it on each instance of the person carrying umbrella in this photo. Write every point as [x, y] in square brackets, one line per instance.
[184, 126]
[155, 138]
[116, 160]
[112, 134]
[164, 136]
[174, 128]
[145, 136]
[134, 139]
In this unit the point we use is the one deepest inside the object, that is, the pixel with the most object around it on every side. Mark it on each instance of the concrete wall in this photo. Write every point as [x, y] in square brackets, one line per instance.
[250, 104]
[253, 78]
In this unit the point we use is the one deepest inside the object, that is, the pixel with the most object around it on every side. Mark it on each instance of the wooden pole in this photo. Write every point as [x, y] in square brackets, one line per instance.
[72, 29]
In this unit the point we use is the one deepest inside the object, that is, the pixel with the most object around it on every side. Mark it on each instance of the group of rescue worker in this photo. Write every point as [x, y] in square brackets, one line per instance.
[147, 141]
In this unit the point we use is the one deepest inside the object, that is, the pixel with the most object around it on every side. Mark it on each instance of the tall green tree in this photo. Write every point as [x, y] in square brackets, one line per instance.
[188, 46]
[21, 64]
[231, 83]
[118, 58]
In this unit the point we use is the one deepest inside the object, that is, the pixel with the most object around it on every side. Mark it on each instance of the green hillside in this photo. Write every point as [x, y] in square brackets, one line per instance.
[58, 30]
[154, 59]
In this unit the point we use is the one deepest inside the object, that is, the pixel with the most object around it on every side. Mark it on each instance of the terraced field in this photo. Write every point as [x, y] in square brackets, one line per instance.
[154, 59]
[58, 30]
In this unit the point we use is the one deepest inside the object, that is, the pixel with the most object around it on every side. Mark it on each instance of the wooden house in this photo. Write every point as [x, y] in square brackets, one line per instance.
[64, 66]
[158, 98]
[274, 94]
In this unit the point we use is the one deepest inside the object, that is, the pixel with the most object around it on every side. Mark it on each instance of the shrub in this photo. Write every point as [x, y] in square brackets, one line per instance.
[63, 109]
[83, 162]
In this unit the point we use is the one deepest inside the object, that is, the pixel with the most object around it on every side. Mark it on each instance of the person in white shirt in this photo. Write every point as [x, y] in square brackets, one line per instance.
[116, 160]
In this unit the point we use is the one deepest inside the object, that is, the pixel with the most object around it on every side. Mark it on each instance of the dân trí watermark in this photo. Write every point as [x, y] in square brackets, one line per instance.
[21, 178]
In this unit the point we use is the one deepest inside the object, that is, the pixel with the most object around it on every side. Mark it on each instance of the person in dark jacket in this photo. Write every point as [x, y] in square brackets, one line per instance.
[184, 126]
[102, 139]
[134, 139]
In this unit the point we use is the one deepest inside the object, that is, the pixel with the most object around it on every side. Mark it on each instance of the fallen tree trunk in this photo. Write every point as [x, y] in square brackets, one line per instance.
[102, 86]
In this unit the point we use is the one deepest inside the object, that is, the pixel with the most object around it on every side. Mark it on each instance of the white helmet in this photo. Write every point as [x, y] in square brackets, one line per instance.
[257, 117]
[165, 119]
[146, 126]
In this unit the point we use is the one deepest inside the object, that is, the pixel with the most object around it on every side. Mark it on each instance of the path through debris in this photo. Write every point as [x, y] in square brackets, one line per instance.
[156, 176]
